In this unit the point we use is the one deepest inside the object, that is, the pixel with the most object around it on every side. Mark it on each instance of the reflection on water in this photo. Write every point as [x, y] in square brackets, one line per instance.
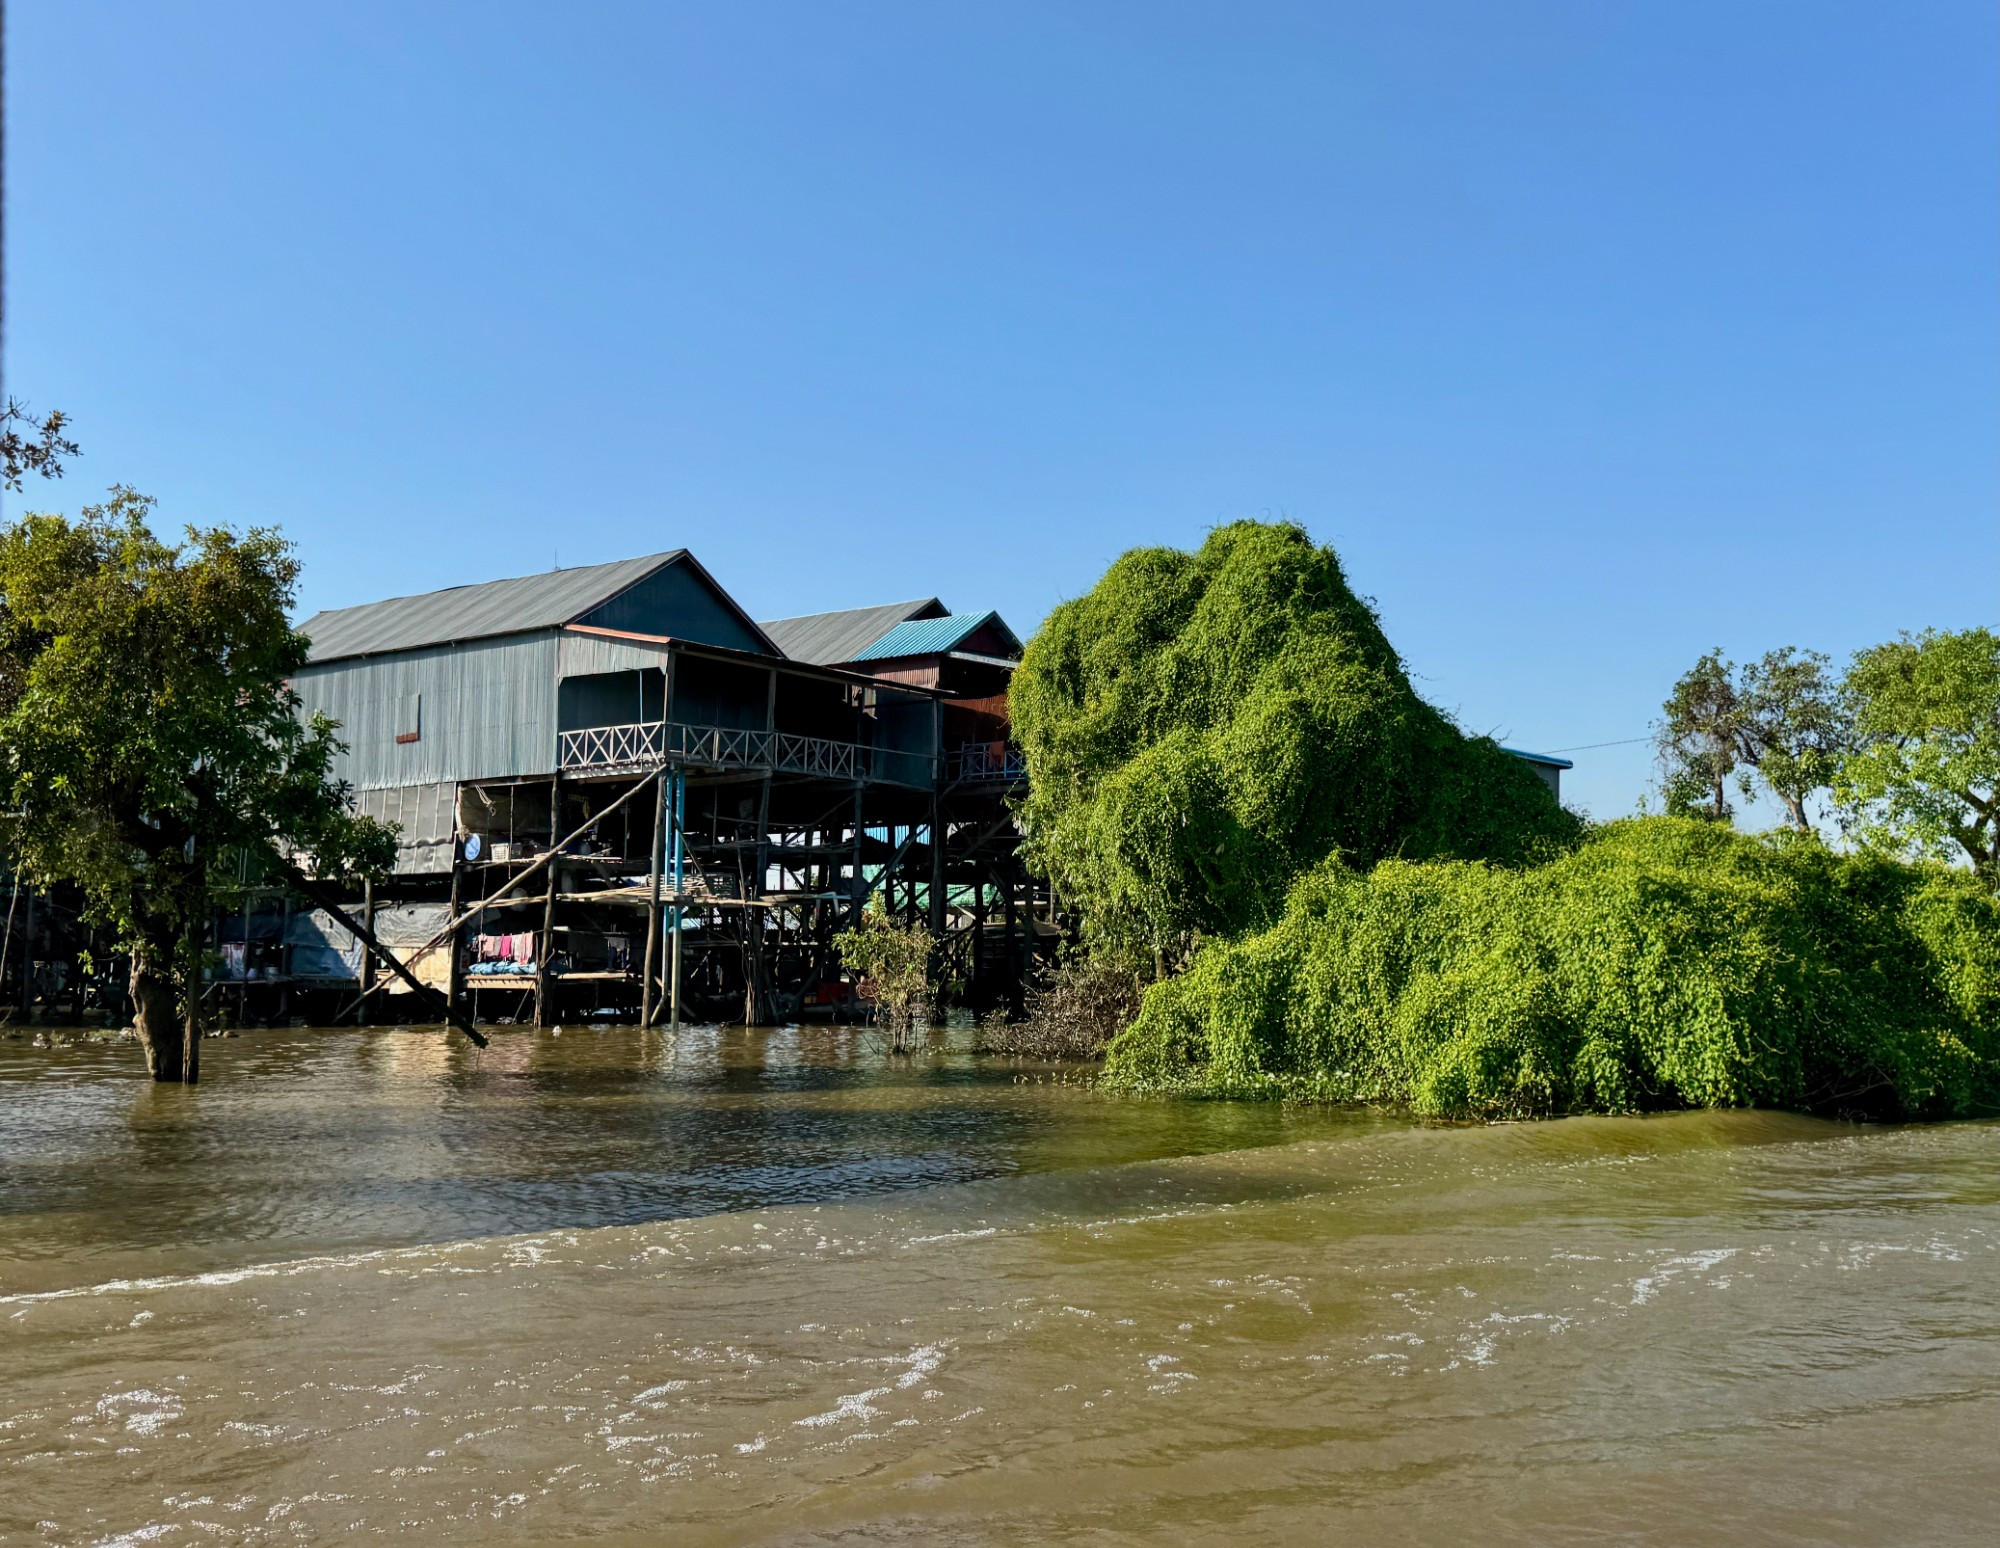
[302, 1142]
[1711, 1328]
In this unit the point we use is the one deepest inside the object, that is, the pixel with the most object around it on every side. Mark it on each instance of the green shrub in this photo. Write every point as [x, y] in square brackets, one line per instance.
[1663, 963]
[1202, 728]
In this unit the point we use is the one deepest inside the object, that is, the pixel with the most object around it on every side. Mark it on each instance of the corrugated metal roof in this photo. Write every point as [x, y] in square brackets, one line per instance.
[1550, 760]
[827, 638]
[474, 612]
[930, 636]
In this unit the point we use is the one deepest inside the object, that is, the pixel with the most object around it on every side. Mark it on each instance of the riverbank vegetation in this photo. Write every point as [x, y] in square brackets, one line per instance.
[1665, 962]
[1339, 894]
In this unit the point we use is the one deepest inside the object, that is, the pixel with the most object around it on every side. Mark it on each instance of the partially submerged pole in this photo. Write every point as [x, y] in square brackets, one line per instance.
[650, 971]
[367, 960]
[546, 948]
[680, 858]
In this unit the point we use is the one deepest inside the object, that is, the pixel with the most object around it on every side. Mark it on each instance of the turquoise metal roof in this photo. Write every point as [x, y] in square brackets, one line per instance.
[1548, 759]
[932, 636]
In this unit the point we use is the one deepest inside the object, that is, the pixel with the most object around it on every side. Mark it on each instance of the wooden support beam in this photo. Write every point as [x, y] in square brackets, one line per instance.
[679, 840]
[494, 899]
[454, 978]
[545, 943]
[937, 869]
[367, 957]
[650, 966]
[756, 987]
[316, 892]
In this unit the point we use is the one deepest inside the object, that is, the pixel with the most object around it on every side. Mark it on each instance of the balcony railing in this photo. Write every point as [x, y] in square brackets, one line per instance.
[985, 763]
[650, 744]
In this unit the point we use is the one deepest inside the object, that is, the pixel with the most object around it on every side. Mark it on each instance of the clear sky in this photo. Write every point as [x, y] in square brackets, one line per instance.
[1592, 334]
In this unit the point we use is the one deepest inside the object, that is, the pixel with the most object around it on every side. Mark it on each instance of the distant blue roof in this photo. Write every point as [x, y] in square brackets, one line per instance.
[1549, 759]
[932, 636]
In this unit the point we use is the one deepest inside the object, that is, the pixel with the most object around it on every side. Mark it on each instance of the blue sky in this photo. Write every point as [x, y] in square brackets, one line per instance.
[1592, 334]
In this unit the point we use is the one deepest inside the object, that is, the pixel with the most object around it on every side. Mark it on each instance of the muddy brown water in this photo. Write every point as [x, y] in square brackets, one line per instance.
[749, 1287]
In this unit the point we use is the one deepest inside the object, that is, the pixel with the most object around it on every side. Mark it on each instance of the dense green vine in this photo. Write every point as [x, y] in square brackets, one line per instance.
[1664, 963]
[1200, 728]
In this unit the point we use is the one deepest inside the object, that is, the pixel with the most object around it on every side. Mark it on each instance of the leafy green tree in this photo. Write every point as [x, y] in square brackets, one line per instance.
[1794, 727]
[149, 737]
[1924, 775]
[1701, 741]
[31, 443]
[1779, 723]
[896, 960]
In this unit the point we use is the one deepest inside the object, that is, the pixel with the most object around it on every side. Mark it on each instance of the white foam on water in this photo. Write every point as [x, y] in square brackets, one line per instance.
[1644, 1289]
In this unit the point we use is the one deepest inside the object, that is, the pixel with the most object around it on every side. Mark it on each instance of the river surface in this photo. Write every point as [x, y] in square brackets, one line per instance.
[775, 1287]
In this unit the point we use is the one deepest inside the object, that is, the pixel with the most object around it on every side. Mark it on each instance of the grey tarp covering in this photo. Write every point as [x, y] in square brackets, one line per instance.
[317, 946]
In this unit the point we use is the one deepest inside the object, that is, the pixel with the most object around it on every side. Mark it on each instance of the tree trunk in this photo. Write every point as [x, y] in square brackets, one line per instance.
[161, 1032]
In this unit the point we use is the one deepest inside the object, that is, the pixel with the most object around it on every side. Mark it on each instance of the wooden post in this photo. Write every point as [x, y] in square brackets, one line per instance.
[243, 982]
[978, 973]
[1011, 918]
[937, 870]
[454, 972]
[857, 892]
[28, 960]
[546, 942]
[756, 996]
[679, 841]
[650, 964]
[367, 957]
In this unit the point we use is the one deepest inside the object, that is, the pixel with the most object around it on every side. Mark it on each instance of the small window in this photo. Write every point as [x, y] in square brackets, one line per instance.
[409, 718]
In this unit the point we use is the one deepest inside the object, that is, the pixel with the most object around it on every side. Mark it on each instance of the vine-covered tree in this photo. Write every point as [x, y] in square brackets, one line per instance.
[1924, 776]
[1203, 728]
[149, 736]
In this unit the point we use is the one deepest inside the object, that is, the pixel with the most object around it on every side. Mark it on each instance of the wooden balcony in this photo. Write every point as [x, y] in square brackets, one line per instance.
[662, 743]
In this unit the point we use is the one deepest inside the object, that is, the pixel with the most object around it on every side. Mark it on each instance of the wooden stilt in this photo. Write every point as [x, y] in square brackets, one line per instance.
[367, 957]
[756, 984]
[454, 972]
[650, 969]
[679, 841]
[545, 946]
[28, 960]
[937, 871]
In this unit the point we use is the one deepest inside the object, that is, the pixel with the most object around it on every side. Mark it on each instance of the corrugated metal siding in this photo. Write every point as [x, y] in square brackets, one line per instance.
[489, 711]
[826, 638]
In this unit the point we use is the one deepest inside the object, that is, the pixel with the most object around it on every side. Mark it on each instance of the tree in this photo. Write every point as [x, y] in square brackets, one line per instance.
[1779, 722]
[1793, 727]
[1924, 775]
[1700, 740]
[896, 959]
[149, 737]
[40, 450]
